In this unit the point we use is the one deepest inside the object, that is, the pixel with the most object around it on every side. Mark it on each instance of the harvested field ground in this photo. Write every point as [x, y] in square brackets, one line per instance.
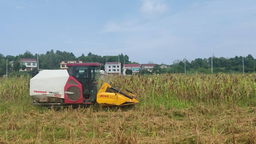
[172, 109]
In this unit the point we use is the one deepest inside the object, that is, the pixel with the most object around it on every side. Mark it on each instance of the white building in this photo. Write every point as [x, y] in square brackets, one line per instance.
[63, 64]
[148, 67]
[29, 63]
[113, 68]
[135, 68]
[164, 66]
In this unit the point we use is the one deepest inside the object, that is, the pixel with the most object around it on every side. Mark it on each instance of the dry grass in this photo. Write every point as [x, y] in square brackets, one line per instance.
[152, 121]
[212, 89]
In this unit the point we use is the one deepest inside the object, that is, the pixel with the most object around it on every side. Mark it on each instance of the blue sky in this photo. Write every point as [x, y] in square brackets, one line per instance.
[160, 31]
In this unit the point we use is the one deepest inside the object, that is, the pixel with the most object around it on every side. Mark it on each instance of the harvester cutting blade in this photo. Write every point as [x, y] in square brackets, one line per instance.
[111, 96]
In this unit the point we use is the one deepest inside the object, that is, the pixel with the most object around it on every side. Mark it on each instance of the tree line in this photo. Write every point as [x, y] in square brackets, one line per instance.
[220, 65]
[52, 59]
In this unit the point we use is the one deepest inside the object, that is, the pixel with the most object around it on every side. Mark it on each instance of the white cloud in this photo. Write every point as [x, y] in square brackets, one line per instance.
[126, 26]
[153, 7]
[112, 27]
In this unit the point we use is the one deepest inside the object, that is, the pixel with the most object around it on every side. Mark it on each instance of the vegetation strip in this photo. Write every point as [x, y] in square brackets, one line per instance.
[172, 109]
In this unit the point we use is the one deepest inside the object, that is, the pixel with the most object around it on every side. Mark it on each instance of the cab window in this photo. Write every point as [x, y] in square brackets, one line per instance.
[81, 72]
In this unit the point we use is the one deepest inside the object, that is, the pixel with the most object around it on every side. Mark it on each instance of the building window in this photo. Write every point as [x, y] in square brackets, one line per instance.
[63, 65]
[114, 69]
[117, 69]
[118, 66]
[109, 66]
[113, 66]
[34, 64]
[28, 64]
[109, 70]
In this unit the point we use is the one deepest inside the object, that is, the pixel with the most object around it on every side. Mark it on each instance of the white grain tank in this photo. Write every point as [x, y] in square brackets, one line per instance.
[48, 86]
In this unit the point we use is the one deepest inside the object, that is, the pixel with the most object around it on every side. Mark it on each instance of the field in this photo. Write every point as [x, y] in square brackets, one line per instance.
[178, 108]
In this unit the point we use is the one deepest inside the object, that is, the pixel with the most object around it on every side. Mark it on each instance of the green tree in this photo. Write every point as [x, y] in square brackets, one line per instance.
[128, 72]
[2, 65]
[144, 72]
[23, 67]
[176, 68]
[85, 58]
[16, 65]
[157, 69]
[10, 57]
[27, 54]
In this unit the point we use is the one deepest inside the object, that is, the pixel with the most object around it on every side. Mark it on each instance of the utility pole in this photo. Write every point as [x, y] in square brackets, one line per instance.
[118, 55]
[6, 68]
[212, 63]
[243, 64]
[185, 67]
[37, 63]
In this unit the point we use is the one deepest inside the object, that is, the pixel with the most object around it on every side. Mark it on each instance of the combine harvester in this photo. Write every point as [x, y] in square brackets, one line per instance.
[76, 86]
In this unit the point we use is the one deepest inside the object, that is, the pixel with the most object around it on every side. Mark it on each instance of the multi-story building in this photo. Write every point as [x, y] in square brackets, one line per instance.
[148, 67]
[113, 68]
[63, 64]
[29, 63]
[135, 68]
